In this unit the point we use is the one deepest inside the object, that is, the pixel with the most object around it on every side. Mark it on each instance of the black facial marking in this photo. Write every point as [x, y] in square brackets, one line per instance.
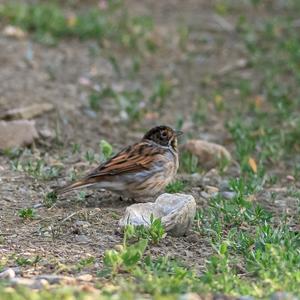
[161, 135]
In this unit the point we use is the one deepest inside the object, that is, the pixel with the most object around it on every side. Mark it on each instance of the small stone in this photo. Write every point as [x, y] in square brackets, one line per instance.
[90, 113]
[13, 31]
[228, 195]
[205, 195]
[211, 189]
[194, 179]
[8, 274]
[35, 284]
[84, 81]
[85, 277]
[224, 186]
[46, 133]
[42, 282]
[176, 211]
[83, 239]
[17, 270]
[51, 279]
[27, 112]
[212, 177]
[290, 178]
[83, 224]
[38, 205]
[283, 296]
[246, 298]
[190, 296]
[209, 154]
[56, 279]
[15, 134]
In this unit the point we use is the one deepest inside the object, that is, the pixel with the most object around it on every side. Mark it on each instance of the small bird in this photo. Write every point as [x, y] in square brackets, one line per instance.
[140, 171]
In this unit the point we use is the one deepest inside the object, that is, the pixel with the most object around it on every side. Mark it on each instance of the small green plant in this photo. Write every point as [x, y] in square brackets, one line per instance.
[73, 175]
[50, 199]
[175, 187]
[27, 213]
[13, 153]
[125, 257]
[39, 169]
[200, 112]
[90, 156]
[106, 149]
[49, 23]
[184, 33]
[85, 262]
[115, 64]
[161, 90]
[152, 233]
[81, 196]
[131, 104]
[24, 261]
[76, 148]
[188, 162]
[165, 276]
[96, 98]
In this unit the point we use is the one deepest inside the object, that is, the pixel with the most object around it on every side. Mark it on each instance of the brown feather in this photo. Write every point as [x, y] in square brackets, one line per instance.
[73, 186]
[128, 160]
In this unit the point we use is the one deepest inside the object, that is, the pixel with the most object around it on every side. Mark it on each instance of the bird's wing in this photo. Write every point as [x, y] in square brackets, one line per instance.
[137, 157]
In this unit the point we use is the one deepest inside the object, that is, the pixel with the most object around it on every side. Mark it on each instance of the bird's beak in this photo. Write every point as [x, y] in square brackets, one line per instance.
[178, 133]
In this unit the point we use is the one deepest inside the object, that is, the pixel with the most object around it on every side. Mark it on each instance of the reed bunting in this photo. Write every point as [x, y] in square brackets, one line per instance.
[140, 171]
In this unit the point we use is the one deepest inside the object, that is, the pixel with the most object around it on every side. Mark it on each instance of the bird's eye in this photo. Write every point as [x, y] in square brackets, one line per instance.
[164, 134]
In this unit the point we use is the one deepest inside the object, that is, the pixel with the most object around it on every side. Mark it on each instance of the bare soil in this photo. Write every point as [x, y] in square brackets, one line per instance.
[74, 229]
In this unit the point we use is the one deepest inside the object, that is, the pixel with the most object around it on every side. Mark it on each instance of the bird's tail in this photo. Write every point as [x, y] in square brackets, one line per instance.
[74, 186]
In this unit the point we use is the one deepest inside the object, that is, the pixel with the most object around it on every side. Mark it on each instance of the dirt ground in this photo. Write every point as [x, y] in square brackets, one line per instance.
[30, 73]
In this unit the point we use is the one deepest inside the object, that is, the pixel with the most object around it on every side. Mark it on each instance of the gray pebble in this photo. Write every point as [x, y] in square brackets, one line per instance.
[205, 195]
[82, 223]
[246, 298]
[51, 279]
[30, 283]
[82, 239]
[90, 113]
[8, 274]
[283, 296]
[228, 195]
[224, 186]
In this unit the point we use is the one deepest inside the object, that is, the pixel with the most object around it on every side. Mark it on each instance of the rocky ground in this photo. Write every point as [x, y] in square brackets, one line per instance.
[199, 67]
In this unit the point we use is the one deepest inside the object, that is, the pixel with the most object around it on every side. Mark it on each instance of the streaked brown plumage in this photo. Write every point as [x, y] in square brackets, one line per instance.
[139, 171]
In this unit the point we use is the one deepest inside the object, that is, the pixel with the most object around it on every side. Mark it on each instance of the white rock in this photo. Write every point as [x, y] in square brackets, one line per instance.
[176, 211]
[8, 274]
[13, 31]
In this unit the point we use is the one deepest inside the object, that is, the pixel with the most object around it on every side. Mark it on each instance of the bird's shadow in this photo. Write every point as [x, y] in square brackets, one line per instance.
[99, 199]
